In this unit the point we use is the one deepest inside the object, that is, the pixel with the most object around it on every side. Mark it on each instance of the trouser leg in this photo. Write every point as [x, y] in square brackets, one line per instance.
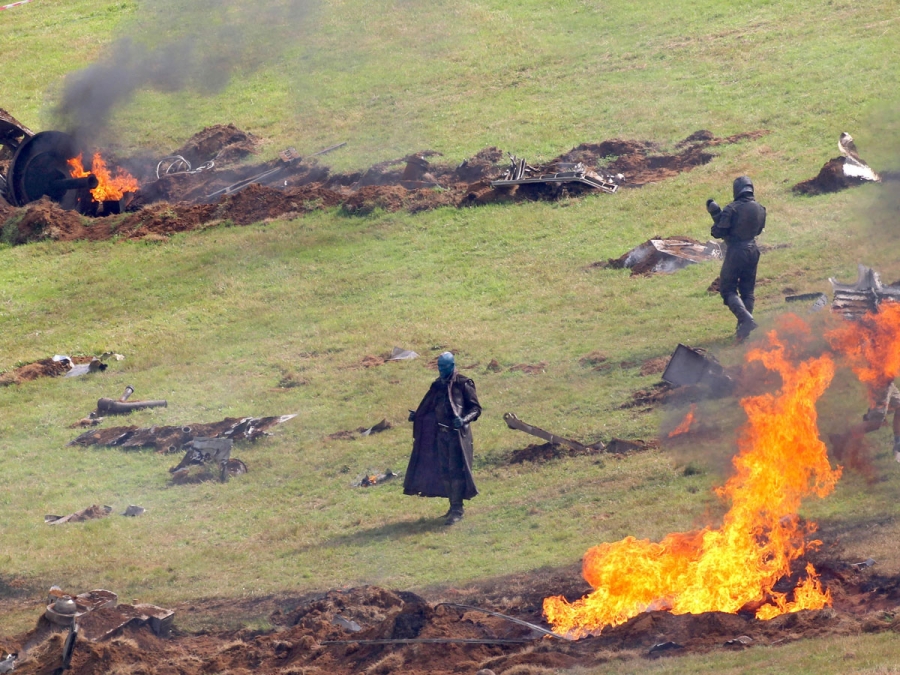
[453, 476]
[739, 276]
[747, 278]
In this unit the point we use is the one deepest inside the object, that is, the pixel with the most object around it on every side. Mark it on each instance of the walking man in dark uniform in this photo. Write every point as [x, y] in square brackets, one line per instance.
[441, 460]
[739, 223]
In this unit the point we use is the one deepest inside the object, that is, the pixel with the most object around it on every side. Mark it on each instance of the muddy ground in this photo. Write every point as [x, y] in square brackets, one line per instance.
[327, 632]
[41, 368]
[185, 201]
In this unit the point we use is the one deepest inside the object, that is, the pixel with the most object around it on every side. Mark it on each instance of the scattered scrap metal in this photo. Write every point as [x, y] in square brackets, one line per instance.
[864, 296]
[122, 406]
[514, 422]
[349, 435]
[522, 173]
[820, 300]
[689, 367]
[90, 513]
[665, 255]
[173, 439]
[175, 164]
[370, 479]
[97, 615]
[289, 157]
[216, 452]
[400, 354]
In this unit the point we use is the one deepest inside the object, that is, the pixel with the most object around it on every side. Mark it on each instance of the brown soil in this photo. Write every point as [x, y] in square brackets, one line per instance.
[304, 627]
[530, 368]
[223, 143]
[655, 366]
[596, 361]
[370, 361]
[182, 202]
[544, 452]
[621, 446]
[651, 396]
[831, 178]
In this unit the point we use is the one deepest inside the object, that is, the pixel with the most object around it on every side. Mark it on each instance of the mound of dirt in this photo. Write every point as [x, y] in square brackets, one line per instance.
[223, 143]
[655, 366]
[545, 452]
[831, 178]
[378, 631]
[45, 220]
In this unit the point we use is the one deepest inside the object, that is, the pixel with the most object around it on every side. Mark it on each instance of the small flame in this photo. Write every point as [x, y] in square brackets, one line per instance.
[780, 461]
[685, 425]
[109, 188]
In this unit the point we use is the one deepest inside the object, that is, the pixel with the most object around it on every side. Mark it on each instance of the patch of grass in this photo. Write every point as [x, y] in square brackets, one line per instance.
[215, 321]
[856, 655]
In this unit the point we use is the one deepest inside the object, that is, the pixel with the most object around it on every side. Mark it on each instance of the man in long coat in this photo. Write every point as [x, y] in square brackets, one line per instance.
[441, 460]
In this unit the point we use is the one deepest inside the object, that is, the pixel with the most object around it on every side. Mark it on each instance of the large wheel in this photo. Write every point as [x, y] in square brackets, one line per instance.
[37, 167]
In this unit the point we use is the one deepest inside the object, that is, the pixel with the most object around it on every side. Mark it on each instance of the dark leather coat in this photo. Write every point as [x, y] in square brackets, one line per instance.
[423, 476]
[742, 220]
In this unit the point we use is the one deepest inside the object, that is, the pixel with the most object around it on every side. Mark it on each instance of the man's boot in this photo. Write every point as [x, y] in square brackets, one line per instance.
[746, 324]
[457, 489]
[448, 489]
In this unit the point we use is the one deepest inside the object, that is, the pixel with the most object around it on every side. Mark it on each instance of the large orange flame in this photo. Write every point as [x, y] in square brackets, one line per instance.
[109, 188]
[871, 345]
[780, 461]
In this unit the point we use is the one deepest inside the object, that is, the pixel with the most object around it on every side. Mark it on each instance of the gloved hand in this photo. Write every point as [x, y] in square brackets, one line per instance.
[458, 423]
[412, 416]
[712, 208]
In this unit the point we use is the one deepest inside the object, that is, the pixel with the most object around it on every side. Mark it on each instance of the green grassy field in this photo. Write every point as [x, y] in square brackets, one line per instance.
[213, 321]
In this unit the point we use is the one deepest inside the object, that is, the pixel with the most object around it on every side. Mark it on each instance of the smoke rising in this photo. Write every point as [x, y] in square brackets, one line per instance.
[173, 46]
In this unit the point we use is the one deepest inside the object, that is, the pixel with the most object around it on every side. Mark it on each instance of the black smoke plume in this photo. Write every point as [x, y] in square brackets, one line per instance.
[175, 45]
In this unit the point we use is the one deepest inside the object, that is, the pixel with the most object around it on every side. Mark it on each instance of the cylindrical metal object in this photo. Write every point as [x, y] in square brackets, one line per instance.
[111, 407]
[129, 390]
[60, 185]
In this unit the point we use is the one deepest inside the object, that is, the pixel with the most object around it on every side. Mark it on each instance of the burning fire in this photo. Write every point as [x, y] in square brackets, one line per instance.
[685, 425]
[110, 188]
[871, 345]
[780, 461]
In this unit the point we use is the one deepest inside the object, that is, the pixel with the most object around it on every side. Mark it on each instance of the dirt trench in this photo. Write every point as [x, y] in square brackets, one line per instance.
[182, 201]
[332, 632]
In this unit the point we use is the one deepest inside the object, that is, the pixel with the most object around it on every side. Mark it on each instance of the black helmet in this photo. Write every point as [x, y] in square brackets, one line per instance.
[742, 184]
